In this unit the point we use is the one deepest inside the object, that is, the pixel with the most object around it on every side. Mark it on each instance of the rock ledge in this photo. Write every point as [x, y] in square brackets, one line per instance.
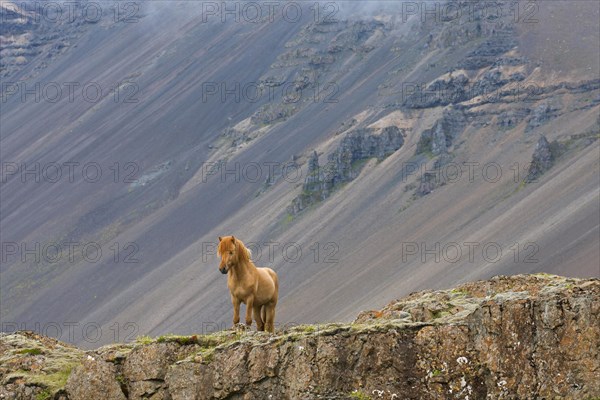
[523, 336]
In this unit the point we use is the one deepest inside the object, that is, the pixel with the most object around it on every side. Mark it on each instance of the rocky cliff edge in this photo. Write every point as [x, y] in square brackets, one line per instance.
[517, 337]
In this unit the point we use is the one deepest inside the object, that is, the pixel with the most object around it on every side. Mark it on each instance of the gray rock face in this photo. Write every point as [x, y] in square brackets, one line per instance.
[29, 30]
[94, 379]
[361, 145]
[145, 370]
[436, 142]
[438, 139]
[313, 179]
[440, 92]
[345, 163]
[354, 37]
[487, 53]
[542, 161]
[540, 115]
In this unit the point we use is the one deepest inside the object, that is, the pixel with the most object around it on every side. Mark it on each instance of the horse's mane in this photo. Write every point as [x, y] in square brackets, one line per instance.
[243, 253]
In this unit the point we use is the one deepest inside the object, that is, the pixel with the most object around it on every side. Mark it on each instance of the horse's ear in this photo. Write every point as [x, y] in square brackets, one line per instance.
[220, 238]
[232, 239]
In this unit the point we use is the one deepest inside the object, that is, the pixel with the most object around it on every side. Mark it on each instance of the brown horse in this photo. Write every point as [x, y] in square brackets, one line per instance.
[258, 288]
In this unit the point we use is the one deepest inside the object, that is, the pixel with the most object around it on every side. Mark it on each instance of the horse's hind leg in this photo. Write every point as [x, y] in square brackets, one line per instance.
[270, 317]
[259, 318]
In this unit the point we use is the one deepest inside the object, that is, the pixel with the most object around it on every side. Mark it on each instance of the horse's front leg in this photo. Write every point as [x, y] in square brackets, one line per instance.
[236, 310]
[249, 307]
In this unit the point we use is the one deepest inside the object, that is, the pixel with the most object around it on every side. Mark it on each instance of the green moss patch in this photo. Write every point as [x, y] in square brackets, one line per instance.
[34, 352]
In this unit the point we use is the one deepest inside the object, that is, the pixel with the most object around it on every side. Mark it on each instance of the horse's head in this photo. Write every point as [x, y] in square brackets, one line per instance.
[232, 252]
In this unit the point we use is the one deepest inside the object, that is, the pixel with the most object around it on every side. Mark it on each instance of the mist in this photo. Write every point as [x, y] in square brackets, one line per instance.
[369, 8]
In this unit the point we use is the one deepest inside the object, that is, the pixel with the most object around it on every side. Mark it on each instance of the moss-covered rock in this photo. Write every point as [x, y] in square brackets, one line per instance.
[34, 366]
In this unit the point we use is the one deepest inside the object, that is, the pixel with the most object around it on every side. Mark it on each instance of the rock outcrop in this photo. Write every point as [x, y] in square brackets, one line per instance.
[345, 163]
[440, 137]
[543, 158]
[541, 114]
[301, 68]
[437, 143]
[29, 30]
[524, 336]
